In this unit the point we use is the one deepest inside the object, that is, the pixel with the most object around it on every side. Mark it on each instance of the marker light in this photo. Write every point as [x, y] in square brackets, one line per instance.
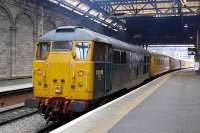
[80, 73]
[39, 72]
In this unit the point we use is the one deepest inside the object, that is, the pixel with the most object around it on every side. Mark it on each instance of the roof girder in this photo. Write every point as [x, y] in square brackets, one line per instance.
[131, 8]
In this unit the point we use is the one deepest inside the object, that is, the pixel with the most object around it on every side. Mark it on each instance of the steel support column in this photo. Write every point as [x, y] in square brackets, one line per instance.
[197, 56]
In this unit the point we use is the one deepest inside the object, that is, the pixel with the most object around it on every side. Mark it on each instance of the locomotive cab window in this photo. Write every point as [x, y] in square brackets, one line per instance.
[62, 46]
[82, 50]
[43, 49]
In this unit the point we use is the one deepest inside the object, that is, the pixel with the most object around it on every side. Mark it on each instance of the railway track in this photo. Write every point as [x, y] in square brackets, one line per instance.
[50, 127]
[14, 97]
[15, 114]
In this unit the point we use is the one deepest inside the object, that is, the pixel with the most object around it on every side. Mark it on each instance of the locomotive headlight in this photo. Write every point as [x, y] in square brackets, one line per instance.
[39, 72]
[80, 73]
[58, 89]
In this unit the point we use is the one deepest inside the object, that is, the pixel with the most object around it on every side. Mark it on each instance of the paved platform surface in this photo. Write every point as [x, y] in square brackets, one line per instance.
[174, 108]
[170, 104]
[15, 84]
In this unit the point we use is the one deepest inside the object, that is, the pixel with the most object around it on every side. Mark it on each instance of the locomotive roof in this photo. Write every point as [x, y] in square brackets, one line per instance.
[70, 33]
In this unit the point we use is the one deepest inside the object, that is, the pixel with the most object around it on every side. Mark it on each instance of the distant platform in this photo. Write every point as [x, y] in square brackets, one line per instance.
[169, 104]
[15, 84]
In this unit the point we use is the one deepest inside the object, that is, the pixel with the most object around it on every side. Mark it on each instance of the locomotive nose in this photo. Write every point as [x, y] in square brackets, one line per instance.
[58, 71]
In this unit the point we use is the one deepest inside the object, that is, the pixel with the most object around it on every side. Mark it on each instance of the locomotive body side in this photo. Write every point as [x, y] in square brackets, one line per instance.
[118, 68]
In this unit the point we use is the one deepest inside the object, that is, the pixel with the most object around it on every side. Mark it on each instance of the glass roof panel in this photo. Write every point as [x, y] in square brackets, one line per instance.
[88, 11]
[84, 7]
[101, 16]
[108, 20]
[72, 2]
[54, 1]
[93, 12]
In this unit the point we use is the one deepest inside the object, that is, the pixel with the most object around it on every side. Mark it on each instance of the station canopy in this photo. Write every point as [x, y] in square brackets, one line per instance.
[157, 8]
[112, 12]
[93, 12]
[174, 20]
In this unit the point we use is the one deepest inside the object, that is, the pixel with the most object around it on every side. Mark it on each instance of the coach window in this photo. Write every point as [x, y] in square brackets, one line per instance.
[133, 57]
[145, 67]
[82, 50]
[158, 61]
[123, 57]
[128, 57]
[116, 57]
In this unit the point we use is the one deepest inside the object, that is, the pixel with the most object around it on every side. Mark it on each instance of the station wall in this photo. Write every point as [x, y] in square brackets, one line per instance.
[21, 23]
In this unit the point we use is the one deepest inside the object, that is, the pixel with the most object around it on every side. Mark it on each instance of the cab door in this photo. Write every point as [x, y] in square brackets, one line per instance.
[102, 70]
[108, 69]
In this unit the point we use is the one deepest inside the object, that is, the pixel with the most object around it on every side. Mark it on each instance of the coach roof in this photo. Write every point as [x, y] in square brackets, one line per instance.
[75, 33]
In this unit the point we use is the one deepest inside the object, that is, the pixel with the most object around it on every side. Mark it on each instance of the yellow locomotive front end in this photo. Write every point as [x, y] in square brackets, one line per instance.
[63, 76]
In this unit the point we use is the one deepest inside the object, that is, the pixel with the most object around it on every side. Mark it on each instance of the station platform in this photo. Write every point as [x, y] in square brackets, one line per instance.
[15, 84]
[169, 104]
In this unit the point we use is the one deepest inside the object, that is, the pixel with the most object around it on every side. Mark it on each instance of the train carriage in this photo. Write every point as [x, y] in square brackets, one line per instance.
[159, 64]
[175, 64]
[186, 64]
